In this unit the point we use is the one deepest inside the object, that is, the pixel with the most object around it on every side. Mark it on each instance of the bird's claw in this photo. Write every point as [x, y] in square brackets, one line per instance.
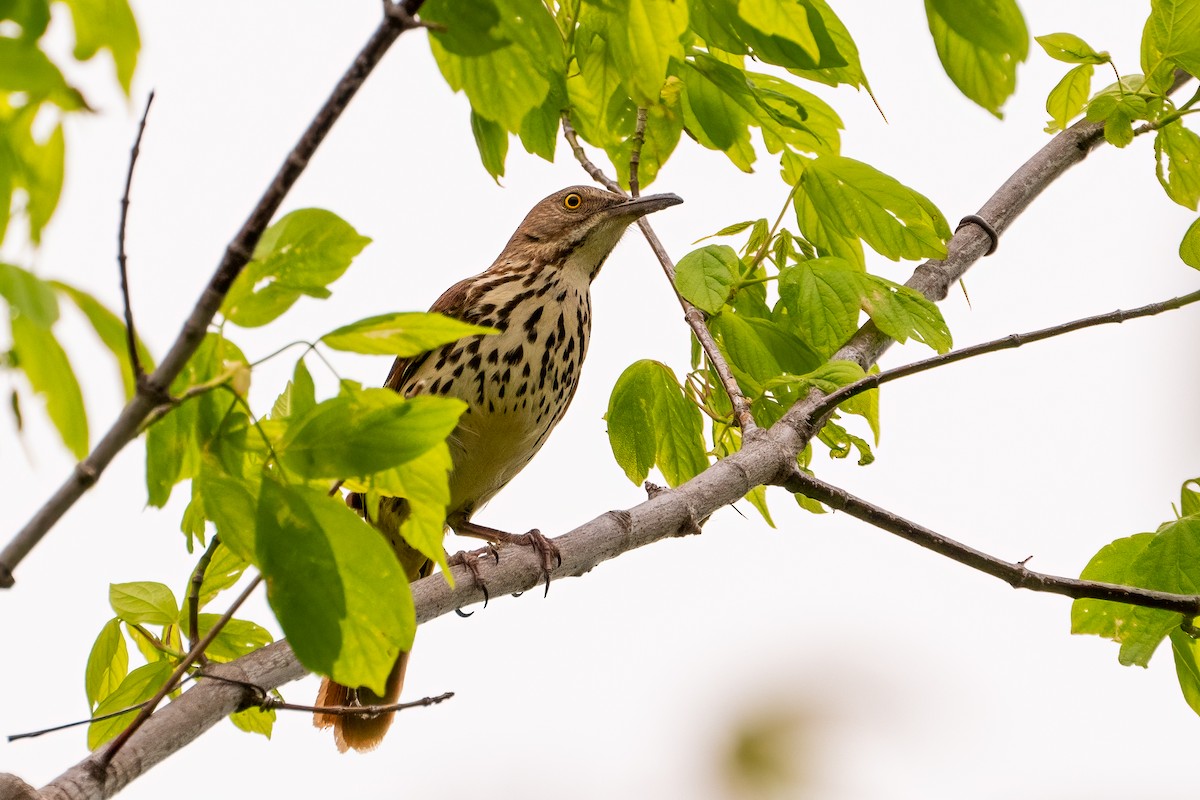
[547, 550]
[471, 561]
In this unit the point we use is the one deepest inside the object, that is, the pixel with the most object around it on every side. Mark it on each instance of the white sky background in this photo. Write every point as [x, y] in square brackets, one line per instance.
[920, 677]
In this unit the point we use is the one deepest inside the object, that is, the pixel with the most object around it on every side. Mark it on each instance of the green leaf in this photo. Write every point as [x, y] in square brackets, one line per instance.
[715, 119]
[503, 83]
[143, 603]
[857, 200]
[1170, 39]
[403, 334]
[785, 19]
[1118, 107]
[492, 142]
[1189, 498]
[980, 43]
[111, 330]
[1184, 647]
[223, 572]
[645, 36]
[1177, 153]
[424, 483]
[851, 72]
[822, 300]
[366, 432]
[45, 364]
[594, 88]
[1189, 248]
[138, 687]
[901, 312]
[232, 506]
[823, 236]
[42, 177]
[28, 295]
[107, 24]
[1067, 99]
[1070, 48]
[301, 254]
[1166, 561]
[25, 68]
[107, 664]
[334, 584]
[651, 421]
[171, 449]
[706, 276]
[539, 129]
[760, 351]
[254, 720]
[664, 125]
[235, 639]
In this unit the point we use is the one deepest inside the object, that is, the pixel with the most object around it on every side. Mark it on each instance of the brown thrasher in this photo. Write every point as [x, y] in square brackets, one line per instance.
[517, 384]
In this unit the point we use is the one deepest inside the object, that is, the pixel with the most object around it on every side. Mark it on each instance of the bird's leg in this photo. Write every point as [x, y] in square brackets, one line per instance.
[545, 548]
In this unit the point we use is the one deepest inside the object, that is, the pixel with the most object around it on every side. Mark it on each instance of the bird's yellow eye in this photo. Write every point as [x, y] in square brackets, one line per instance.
[572, 201]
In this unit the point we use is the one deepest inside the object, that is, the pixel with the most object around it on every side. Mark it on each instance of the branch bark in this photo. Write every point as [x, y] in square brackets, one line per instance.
[766, 459]
[153, 392]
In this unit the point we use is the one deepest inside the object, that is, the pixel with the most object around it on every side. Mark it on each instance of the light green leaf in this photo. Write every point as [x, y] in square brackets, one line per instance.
[1189, 498]
[1177, 152]
[334, 584]
[822, 301]
[143, 603]
[232, 506]
[706, 276]
[858, 200]
[235, 639]
[111, 330]
[645, 36]
[1170, 39]
[715, 119]
[107, 24]
[664, 125]
[980, 43]
[651, 421]
[224, 570]
[29, 295]
[1067, 99]
[403, 334]
[107, 664]
[301, 254]
[371, 430]
[42, 177]
[424, 483]
[1189, 248]
[851, 72]
[901, 312]
[25, 68]
[1187, 669]
[1070, 48]
[787, 19]
[824, 236]
[254, 720]
[492, 142]
[45, 364]
[138, 687]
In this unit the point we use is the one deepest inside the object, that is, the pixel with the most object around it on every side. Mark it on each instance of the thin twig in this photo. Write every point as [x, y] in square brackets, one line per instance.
[354, 711]
[193, 598]
[1009, 342]
[1015, 574]
[692, 315]
[135, 363]
[635, 156]
[193, 655]
[397, 19]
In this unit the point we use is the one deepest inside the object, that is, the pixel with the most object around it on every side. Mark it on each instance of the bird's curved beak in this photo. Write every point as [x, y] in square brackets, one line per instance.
[646, 204]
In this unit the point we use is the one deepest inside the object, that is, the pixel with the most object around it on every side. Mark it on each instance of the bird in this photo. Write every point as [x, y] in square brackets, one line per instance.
[517, 384]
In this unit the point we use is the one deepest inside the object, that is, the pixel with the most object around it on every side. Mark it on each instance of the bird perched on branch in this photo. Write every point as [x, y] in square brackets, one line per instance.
[517, 385]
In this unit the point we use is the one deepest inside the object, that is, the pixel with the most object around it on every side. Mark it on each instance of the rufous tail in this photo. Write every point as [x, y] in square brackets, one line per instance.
[360, 733]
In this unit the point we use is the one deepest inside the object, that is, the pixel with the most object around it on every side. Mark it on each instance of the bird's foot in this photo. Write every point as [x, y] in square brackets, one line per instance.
[545, 548]
[470, 560]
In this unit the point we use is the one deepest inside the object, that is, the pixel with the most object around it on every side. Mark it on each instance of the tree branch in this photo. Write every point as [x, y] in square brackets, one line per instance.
[693, 315]
[153, 391]
[135, 364]
[1015, 574]
[1013, 340]
[765, 459]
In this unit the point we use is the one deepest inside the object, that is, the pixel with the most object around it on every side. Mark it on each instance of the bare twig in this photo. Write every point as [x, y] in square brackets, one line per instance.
[135, 363]
[693, 315]
[1015, 574]
[354, 711]
[397, 19]
[635, 156]
[1013, 340]
[193, 598]
[105, 758]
